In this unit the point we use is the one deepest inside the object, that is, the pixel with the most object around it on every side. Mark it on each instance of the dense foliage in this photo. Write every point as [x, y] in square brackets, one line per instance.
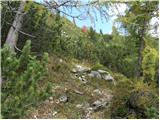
[20, 78]
[134, 99]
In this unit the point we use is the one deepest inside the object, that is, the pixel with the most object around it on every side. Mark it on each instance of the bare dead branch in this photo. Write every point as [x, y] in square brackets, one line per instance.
[21, 31]
[62, 6]
[17, 48]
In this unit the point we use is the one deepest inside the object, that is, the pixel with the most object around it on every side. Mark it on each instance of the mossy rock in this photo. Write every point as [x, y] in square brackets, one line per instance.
[119, 107]
[140, 101]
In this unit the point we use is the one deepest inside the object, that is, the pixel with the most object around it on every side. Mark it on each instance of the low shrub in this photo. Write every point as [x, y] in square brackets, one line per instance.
[20, 77]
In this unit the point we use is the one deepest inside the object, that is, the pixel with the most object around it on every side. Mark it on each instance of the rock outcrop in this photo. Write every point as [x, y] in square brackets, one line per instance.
[82, 71]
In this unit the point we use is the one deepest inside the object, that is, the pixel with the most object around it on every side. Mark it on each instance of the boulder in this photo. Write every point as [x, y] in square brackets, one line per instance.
[102, 71]
[101, 74]
[142, 100]
[80, 69]
[95, 74]
[108, 77]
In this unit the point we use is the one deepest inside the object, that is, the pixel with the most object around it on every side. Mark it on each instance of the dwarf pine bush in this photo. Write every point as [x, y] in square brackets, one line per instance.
[20, 77]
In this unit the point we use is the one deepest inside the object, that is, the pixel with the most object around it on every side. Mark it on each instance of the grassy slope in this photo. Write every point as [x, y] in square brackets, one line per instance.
[64, 84]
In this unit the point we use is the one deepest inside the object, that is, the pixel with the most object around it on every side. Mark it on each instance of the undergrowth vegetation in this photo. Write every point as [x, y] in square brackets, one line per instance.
[20, 76]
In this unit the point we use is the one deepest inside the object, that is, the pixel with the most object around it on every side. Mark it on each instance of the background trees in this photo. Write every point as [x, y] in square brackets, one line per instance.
[137, 23]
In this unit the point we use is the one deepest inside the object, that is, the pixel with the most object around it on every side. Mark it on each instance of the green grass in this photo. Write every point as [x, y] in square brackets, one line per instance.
[60, 75]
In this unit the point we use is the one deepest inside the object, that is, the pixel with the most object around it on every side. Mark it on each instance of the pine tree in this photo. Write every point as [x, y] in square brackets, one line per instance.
[20, 77]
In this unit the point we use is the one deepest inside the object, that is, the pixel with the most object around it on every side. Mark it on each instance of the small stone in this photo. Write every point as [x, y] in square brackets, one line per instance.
[102, 71]
[53, 90]
[60, 60]
[90, 109]
[79, 105]
[99, 104]
[51, 102]
[73, 76]
[97, 91]
[76, 75]
[78, 92]
[81, 69]
[88, 115]
[80, 78]
[57, 87]
[35, 116]
[84, 81]
[74, 70]
[109, 97]
[57, 101]
[47, 101]
[51, 98]
[83, 76]
[108, 77]
[54, 113]
[63, 98]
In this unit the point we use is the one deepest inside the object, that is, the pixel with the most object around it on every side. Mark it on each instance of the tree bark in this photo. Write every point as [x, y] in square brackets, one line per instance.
[16, 26]
[139, 63]
[141, 33]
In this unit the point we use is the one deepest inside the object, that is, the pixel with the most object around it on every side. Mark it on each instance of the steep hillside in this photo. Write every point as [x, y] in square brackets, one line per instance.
[80, 90]
[74, 93]
[60, 71]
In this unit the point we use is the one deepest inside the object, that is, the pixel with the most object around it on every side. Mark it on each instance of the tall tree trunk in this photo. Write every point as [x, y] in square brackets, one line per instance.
[139, 62]
[16, 26]
[141, 33]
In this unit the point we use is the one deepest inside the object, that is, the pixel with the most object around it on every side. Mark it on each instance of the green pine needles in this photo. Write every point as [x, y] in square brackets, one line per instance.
[20, 77]
[150, 60]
